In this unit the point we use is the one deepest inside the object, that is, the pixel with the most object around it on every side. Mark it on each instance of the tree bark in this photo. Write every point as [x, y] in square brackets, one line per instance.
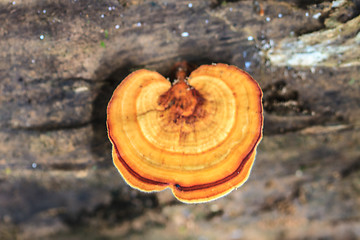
[61, 60]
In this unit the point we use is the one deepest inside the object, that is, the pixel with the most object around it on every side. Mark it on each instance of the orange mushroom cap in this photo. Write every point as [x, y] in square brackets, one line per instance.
[197, 136]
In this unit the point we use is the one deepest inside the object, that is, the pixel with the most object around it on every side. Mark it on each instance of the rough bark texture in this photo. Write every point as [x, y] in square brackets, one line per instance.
[61, 60]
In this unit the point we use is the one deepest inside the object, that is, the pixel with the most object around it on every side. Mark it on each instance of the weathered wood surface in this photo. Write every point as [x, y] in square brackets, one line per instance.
[61, 60]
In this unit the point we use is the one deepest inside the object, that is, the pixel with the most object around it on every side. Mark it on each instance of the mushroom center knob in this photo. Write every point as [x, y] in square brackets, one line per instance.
[183, 103]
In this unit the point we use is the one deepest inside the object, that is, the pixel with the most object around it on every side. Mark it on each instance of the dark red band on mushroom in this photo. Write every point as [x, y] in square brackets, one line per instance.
[195, 187]
[131, 171]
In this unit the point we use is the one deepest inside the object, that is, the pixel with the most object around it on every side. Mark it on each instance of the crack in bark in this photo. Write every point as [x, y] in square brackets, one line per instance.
[56, 127]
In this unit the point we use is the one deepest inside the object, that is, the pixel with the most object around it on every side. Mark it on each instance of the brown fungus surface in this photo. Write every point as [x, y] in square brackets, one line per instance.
[197, 136]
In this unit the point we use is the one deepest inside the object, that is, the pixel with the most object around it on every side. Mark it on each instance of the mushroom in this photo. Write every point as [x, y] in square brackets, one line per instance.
[197, 136]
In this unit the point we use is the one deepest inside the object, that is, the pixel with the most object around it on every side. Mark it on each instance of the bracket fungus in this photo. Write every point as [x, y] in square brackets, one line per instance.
[197, 136]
